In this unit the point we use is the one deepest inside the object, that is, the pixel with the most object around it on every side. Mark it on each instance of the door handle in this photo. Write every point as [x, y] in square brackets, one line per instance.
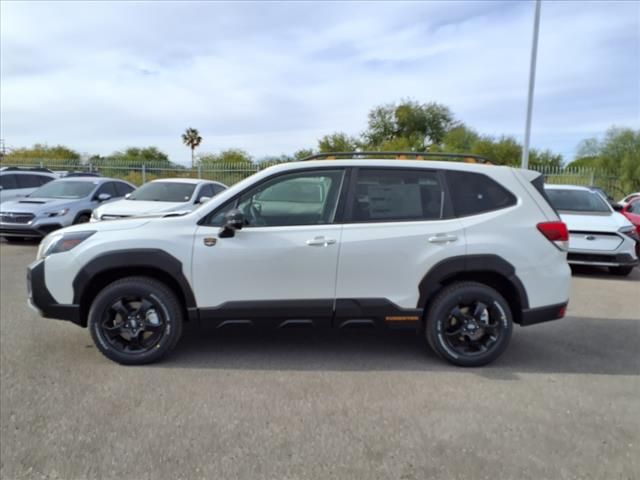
[321, 242]
[443, 238]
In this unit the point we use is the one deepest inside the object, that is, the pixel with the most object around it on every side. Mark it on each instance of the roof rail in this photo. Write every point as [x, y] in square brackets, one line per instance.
[25, 169]
[468, 157]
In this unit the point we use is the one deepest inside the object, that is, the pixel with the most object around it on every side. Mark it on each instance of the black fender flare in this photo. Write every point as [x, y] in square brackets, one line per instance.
[132, 258]
[450, 267]
[82, 212]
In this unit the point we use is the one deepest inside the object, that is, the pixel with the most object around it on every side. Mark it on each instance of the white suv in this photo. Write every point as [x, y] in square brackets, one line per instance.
[457, 251]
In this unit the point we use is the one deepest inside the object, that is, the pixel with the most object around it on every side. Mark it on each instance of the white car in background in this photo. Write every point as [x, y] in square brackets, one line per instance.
[598, 235]
[161, 196]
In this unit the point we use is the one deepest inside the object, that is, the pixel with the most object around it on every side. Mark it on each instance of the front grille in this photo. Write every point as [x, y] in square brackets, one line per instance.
[11, 217]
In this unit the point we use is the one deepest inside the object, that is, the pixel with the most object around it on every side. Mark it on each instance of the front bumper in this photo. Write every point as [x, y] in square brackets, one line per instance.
[41, 299]
[37, 230]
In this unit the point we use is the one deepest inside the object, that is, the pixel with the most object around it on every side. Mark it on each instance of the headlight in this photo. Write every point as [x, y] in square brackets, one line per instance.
[95, 215]
[57, 213]
[62, 242]
[630, 231]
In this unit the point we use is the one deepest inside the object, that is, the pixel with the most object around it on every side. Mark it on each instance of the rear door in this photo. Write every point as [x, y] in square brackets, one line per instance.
[398, 225]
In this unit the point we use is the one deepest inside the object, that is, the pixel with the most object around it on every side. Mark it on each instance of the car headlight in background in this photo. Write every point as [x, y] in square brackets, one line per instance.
[630, 231]
[62, 242]
[57, 213]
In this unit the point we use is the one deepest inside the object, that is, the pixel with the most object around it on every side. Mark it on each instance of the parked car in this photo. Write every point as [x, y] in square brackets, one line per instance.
[632, 211]
[58, 204]
[628, 198]
[458, 251]
[18, 182]
[161, 196]
[604, 194]
[598, 235]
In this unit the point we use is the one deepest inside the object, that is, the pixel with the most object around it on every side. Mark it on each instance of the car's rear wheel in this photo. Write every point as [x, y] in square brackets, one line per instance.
[621, 271]
[135, 320]
[469, 324]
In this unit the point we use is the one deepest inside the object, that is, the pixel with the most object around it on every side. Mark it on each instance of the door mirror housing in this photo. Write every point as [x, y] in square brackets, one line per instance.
[617, 207]
[103, 197]
[127, 195]
[234, 220]
[203, 199]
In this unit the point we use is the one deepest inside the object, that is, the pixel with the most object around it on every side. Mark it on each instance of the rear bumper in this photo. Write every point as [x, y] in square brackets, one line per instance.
[602, 259]
[531, 316]
[41, 299]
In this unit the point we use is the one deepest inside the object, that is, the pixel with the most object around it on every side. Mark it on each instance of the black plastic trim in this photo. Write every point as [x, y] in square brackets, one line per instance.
[42, 299]
[380, 311]
[452, 266]
[536, 315]
[138, 257]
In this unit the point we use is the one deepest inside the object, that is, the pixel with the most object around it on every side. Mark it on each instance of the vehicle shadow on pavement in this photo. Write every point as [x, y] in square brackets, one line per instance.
[572, 345]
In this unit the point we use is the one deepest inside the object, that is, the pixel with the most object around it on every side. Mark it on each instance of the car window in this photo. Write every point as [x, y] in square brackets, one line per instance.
[634, 208]
[108, 188]
[123, 188]
[205, 191]
[64, 189]
[218, 188]
[473, 193]
[577, 200]
[164, 192]
[28, 181]
[306, 198]
[384, 195]
[8, 182]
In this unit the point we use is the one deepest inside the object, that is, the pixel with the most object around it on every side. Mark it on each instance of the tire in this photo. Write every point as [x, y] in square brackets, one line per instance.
[447, 334]
[82, 218]
[113, 306]
[620, 271]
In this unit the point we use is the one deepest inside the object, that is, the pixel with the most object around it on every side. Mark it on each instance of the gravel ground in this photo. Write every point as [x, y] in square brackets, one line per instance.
[563, 402]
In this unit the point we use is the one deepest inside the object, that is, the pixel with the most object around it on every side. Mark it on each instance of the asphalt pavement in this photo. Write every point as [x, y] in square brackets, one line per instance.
[562, 402]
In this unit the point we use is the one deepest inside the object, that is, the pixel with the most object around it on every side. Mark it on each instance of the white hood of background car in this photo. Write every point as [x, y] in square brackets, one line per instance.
[141, 207]
[594, 222]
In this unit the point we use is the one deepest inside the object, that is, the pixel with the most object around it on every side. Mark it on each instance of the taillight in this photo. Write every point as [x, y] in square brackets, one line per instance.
[556, 232]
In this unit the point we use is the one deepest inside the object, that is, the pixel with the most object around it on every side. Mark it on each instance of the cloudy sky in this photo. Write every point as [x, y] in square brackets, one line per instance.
[271, 77]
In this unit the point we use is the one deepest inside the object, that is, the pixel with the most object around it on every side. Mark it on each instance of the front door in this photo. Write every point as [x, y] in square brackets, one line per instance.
[281, 267]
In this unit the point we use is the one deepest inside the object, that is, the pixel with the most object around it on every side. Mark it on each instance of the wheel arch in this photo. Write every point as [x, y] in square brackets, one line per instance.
[490, 270]
[109, 267]
[82, 212]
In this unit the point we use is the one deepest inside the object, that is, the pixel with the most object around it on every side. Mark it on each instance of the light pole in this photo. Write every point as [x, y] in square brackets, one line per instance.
[532, 81]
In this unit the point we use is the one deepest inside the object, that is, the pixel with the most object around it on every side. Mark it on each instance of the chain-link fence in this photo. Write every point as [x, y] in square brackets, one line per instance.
[230, 173]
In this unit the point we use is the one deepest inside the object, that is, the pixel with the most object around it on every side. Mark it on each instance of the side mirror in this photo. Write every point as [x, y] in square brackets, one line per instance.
[202, 200]
[103, 197]
[127, 195]
[234, 220]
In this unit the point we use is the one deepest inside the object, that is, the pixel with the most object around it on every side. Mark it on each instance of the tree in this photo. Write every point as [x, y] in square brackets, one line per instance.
[58, 156]
[502, 151]
[460, 139]
[337, 142]
[191, 138]
[420, 125]
[619, 152]
[228, 166]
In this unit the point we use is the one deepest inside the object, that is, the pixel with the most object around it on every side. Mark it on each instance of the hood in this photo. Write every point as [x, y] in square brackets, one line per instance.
[140, 207]
[594, 222]
[124, 224]
[35, 205]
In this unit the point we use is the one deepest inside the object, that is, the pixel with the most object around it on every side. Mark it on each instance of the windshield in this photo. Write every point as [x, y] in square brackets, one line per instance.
[164, 192]
[64, 189]
[577, 201]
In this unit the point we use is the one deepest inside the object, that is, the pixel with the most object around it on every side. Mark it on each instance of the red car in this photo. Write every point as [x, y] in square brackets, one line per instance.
[632, 211]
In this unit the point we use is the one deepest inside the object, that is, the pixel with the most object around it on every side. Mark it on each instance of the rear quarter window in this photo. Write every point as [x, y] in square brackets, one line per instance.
[474, 193]
[8, 182]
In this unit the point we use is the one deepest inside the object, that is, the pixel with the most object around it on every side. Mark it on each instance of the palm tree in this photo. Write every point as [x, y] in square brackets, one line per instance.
[191, 138]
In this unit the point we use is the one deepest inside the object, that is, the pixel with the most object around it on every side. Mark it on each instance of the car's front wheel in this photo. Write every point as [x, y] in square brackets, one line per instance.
[135, 320]
[469, 324]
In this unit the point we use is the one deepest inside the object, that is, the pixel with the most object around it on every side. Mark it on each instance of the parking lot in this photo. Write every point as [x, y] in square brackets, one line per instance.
[563, 402]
